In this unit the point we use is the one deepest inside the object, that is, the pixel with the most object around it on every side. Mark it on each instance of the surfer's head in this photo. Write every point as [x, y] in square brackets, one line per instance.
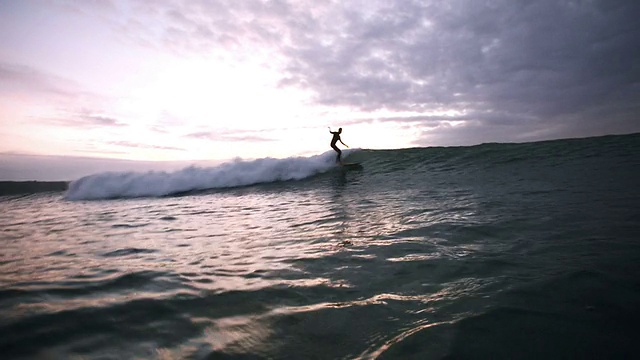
[340, 130]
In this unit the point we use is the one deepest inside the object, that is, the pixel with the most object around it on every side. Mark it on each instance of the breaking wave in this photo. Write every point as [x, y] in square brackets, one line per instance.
[236, 173]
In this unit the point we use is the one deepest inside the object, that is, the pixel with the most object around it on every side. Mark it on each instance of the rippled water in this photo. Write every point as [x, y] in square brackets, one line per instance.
[421, 259]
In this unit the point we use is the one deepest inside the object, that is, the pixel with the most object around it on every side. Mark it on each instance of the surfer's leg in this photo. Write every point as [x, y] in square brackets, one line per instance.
[338, 151]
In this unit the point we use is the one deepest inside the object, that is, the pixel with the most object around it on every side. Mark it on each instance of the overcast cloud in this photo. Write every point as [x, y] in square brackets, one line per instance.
[529, 69]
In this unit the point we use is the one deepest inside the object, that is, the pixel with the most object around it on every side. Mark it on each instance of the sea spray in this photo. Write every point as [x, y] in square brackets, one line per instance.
[236, 173]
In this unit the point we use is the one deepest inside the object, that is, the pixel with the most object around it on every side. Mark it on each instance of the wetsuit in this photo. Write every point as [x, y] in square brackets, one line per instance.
[334, 140]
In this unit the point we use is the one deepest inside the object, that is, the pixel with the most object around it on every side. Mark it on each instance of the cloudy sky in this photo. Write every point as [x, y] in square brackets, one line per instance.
[153, 80]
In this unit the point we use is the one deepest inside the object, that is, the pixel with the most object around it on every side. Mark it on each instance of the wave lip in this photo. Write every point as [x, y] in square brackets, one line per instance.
[236, 173]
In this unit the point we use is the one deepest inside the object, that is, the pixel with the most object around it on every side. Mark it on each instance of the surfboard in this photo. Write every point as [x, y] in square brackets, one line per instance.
[351, 165]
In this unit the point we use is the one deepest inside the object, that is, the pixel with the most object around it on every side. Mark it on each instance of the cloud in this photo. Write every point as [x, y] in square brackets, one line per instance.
[19, 79]
[230, 135]
[552, 67]
[545, 61]
[144, 146]
[83, 119]
[102, 120]
[40, 88]
[550, 57]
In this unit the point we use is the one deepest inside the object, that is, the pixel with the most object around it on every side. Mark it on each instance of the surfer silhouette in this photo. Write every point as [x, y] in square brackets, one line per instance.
[334, 140]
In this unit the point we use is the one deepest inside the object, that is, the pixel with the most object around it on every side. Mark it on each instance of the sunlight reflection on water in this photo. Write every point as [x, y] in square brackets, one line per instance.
[82, 255]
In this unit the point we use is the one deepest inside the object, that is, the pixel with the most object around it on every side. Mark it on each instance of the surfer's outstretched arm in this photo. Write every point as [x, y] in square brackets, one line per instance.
[344, 143]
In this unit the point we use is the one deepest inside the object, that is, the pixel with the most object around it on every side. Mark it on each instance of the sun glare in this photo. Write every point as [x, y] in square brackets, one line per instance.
[214, 94]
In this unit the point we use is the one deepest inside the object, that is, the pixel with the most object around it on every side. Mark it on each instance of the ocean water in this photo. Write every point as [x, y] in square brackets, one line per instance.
[496, 251]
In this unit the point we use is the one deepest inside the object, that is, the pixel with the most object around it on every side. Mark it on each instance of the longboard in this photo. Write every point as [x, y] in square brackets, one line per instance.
[351, 165]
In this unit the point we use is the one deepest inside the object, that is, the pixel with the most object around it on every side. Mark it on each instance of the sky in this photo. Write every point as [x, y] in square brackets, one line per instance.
[199, 81]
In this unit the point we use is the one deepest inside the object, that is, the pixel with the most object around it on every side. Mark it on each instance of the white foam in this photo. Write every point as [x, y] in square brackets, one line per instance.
[235, 173]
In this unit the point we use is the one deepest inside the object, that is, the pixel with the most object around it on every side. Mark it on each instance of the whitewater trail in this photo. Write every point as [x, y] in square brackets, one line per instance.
[238, 172]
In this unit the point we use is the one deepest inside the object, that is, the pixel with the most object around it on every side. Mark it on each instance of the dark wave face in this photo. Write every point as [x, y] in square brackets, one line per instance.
[492, 251]
[31, 187]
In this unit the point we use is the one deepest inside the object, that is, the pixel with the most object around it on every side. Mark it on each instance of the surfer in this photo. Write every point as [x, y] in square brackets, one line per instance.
[334, 140]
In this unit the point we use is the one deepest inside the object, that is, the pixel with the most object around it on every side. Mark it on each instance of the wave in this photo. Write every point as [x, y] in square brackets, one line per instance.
[31, 187]
[110, 185]
[456, 161]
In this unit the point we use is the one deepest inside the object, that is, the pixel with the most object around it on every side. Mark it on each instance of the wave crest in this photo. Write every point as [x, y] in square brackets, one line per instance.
[236, 173]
